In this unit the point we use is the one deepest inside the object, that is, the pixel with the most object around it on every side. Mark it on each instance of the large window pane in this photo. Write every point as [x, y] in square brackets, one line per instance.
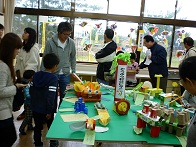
[162, 34]
[179, 50]
[27, 3]
[160, 8]
[125, 34]
[56, 4]
[186, 10]
[93, 6]
[125, 7]
[48, 27]
[88, 32]
[21, 21]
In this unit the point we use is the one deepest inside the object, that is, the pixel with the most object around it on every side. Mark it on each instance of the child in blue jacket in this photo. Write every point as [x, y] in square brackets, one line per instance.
[43, 91]
[28, 75]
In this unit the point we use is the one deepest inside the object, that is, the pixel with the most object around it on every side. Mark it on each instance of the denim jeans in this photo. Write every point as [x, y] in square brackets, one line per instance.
[63, 81]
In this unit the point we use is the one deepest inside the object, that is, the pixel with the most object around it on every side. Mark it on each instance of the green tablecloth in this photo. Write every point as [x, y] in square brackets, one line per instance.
[120, 127]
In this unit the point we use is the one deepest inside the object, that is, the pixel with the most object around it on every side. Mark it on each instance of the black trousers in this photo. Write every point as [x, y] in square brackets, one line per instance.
[39, 119]
[8, 135]
[163, 83]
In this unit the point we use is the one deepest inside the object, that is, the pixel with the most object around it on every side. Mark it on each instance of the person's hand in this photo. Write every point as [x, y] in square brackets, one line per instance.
[48, 116]
[19, 85]
[137, 70]
[149, 56]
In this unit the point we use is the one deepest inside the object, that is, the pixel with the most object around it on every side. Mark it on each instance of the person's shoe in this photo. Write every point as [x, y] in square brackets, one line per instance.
[30, 127]
[22, 132]
[20, 117]
[54, 143]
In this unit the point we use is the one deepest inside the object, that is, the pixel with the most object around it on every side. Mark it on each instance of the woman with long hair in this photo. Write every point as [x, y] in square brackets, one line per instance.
[9, 48]
[28, 58]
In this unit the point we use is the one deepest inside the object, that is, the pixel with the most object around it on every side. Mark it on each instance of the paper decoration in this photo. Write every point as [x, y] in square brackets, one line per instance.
[139, 99]
[71, 100]
[74, 117]
[113, 26]
[117, 39]
[89, 138]
[140, 40]
[83, 24]
[153, 30]
[66, 110]
[98, 25]
[83, 41]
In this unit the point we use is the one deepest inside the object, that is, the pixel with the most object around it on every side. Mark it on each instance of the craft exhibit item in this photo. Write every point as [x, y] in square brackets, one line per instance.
[89, 91]
[103, 112]
[121, 107]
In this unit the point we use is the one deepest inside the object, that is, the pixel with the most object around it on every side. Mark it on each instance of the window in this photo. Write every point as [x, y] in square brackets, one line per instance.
[56, 4]
[162, 34]
[24, 21]
[125, 7]
[178, 46]
[88, 32]
[93, 6]
[124, 15]
[27, 3]
[48, 27]
[186, 10]
[160, 8]
[125, 34]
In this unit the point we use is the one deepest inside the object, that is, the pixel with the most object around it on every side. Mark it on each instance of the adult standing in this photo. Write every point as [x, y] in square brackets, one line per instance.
[105, 56]
[9, 48]
[64, 47]
[190, 51]
[189, 46]
[2, 28]
[28, 57]
[158, 63]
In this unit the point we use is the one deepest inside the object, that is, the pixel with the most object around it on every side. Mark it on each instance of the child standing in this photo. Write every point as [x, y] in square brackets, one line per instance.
[131, 71]
[43, 91]
[28, 75]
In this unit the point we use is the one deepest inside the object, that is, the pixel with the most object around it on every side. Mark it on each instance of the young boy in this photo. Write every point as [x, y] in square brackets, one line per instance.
[43, 93]
[131, 71]
[188, 100]
[28, 75]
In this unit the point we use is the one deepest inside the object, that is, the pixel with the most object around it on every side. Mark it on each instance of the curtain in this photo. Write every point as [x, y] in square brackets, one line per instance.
[9, 14]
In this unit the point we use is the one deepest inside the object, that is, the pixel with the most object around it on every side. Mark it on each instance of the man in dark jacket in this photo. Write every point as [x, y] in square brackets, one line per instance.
[159, 62]
[105, 56]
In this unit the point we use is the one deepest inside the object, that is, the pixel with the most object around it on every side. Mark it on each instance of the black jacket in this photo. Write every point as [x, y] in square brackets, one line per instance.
[104, 58]
[43, 91]
[159, 61]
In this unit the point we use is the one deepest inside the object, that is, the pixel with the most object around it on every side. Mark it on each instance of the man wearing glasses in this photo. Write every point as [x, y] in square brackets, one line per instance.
[64, 47]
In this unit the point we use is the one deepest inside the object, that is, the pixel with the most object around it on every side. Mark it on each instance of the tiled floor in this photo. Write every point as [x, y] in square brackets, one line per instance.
[27, 140]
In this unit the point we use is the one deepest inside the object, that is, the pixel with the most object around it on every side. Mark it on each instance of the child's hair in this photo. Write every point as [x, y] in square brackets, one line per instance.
[133, 56]
[187, 68]
[50, 60]
[28, 74]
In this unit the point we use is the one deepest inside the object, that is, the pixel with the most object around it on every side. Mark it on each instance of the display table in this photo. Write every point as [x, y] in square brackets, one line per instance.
[120, 127]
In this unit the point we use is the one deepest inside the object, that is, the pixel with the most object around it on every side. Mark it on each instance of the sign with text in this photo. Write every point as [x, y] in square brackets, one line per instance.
[140, 40]
[121, 74]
